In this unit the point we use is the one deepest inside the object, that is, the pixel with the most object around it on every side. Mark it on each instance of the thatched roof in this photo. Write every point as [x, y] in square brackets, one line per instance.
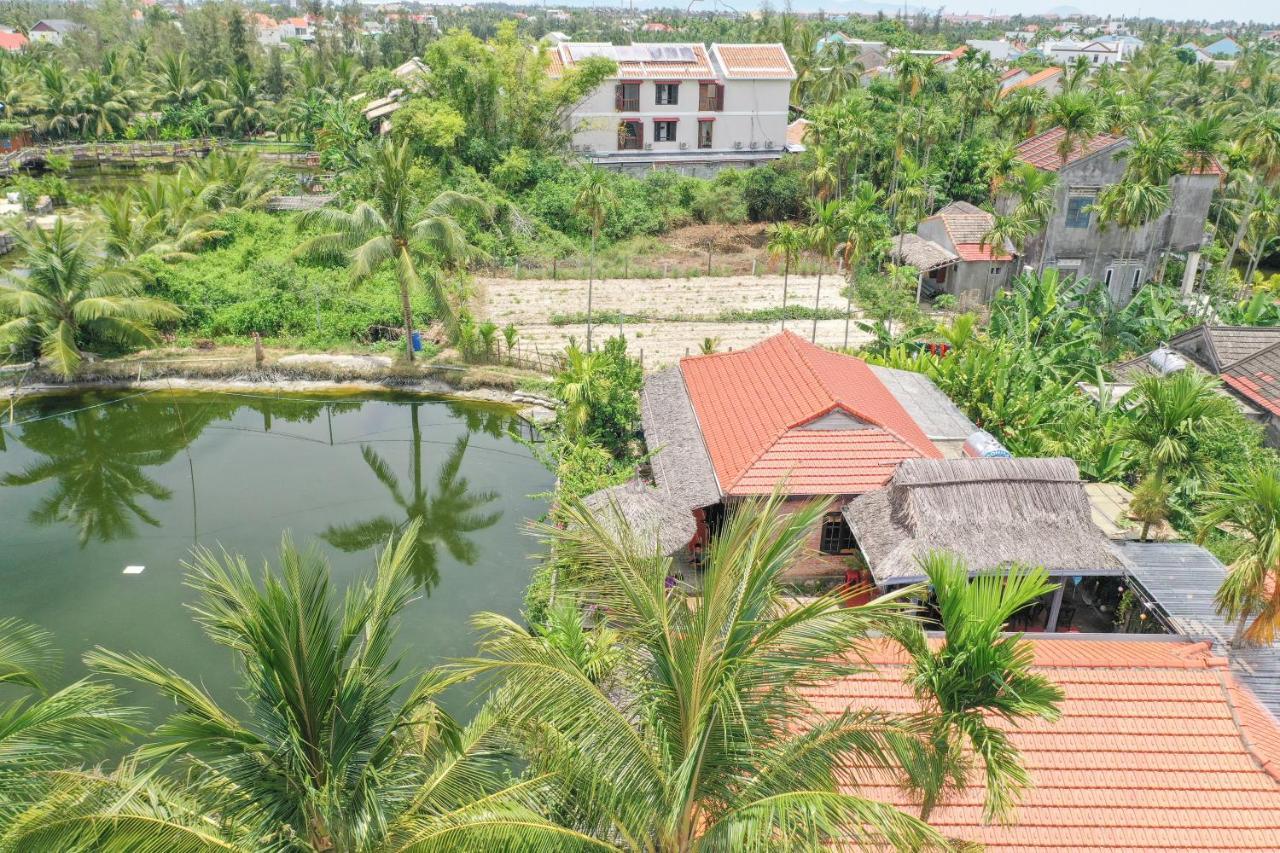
[648, 514]
[991, 512]
[680, 462]
[925, 255]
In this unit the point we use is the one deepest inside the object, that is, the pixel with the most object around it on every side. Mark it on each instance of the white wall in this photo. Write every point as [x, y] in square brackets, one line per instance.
[754, 111]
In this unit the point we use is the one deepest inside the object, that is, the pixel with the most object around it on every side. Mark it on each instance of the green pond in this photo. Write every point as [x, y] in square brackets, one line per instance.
[93, 484]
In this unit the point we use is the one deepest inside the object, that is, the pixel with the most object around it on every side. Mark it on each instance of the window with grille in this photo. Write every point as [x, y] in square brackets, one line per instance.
[1078, 211]
[836, 537]
[626, 97]
[664, 131]
[704, 133]
[710, 97]
[666, 94]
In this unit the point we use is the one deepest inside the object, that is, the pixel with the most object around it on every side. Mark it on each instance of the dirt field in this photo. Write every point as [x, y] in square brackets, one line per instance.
[672, 316]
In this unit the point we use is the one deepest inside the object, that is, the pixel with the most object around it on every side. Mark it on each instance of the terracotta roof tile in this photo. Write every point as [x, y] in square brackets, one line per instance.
[759, 410]
[1257, 377]
[1157, 749]
[12, 41]
[754, 61]
[1034, 79]
[1042, 151]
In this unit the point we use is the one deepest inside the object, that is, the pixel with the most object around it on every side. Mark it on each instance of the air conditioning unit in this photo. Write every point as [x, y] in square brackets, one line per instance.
[737, 146]
[754, 145]
[683, 146]
[588, 147]
[648, 146]
[768, 143]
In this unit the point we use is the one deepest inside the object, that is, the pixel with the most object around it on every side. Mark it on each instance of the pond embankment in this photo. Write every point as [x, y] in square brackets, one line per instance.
[283, 372]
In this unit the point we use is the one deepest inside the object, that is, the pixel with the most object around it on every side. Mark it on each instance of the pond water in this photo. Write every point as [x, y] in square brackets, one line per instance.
[93, 484]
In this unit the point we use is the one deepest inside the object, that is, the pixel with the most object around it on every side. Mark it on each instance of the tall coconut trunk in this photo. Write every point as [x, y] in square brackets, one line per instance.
[591, 281]
[1241, 229]
[817, 301]
[786, 280]
[406, 312]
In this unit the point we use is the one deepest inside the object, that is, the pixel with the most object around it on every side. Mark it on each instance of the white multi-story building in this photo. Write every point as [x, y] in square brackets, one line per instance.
[687, 107]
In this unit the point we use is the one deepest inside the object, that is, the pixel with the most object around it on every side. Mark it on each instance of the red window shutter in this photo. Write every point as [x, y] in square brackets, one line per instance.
[719, 97]
[617, 97]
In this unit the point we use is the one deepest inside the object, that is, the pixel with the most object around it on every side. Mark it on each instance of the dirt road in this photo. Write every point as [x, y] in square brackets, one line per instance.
[667, 317]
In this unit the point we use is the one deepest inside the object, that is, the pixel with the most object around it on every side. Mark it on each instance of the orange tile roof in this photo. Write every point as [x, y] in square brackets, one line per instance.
[1157, 749]
[752, 407]
[12, 41]
[1012, 72]
[979, 252]
[796, 131]
[1042, 151]
[953, 55]
[1038, 77]
[754, 61]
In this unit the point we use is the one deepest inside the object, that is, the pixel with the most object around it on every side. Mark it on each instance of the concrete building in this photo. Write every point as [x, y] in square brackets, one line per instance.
[1096, 52]
[687, 107]
[1224, 48]
[1079, 245]
[949, 251]
[52, 31]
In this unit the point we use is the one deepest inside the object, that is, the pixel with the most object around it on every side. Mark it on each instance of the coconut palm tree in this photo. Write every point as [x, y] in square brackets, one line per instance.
[786, 241]
[705, 742]
[1262, 132]
[69, 297]
[43, 733]
[1168, 415]
[446, 515]
[59, 102]
[839, 73]
[1077, 114]
[173, 84]
[337, 751]
[1142, 202]
[977, 674]
[240, 106]
[383, 230]
[820, 236]
[104, 109]
[1249, 506]
[594, 200]
[1006, 230]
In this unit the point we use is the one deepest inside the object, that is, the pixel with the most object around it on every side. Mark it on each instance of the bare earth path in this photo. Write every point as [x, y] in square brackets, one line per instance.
[673, 315]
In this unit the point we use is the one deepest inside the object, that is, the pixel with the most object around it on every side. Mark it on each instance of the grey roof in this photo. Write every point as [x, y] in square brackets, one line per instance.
[940, 418]
[1182, 579]
[1216, 347]
[649, 515]
[60, 25]
[924, 255]
[680, 462]
[991, 512]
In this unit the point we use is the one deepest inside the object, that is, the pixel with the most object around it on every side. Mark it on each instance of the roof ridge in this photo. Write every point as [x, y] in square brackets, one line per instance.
[1269, 764]
[836, 400]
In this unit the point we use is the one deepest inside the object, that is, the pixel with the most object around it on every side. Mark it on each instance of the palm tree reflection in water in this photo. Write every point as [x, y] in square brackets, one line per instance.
[97, 459]
[449, 513]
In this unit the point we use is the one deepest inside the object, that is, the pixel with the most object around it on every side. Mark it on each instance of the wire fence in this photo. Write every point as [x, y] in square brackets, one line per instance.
[579, 267]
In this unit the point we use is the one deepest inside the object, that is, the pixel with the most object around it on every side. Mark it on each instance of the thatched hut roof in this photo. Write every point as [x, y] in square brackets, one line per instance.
[680, 462]
[991, 512]
[925, 255]
[638, 510]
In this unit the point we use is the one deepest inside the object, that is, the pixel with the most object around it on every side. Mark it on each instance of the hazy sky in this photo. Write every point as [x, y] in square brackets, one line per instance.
[1239, 10]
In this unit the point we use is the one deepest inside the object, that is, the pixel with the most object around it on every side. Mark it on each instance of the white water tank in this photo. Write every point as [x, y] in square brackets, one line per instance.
[1166, 361]
[983, 444]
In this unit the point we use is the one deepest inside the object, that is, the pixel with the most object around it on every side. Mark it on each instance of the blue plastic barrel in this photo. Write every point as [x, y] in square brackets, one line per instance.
[417, 341]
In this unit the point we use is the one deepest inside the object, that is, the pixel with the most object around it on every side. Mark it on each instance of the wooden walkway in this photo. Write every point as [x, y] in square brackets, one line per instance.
[286, 203]
[106, 152]
[1182, 579]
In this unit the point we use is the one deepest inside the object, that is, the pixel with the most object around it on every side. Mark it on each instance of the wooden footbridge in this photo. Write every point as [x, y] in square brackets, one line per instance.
[129, 153]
